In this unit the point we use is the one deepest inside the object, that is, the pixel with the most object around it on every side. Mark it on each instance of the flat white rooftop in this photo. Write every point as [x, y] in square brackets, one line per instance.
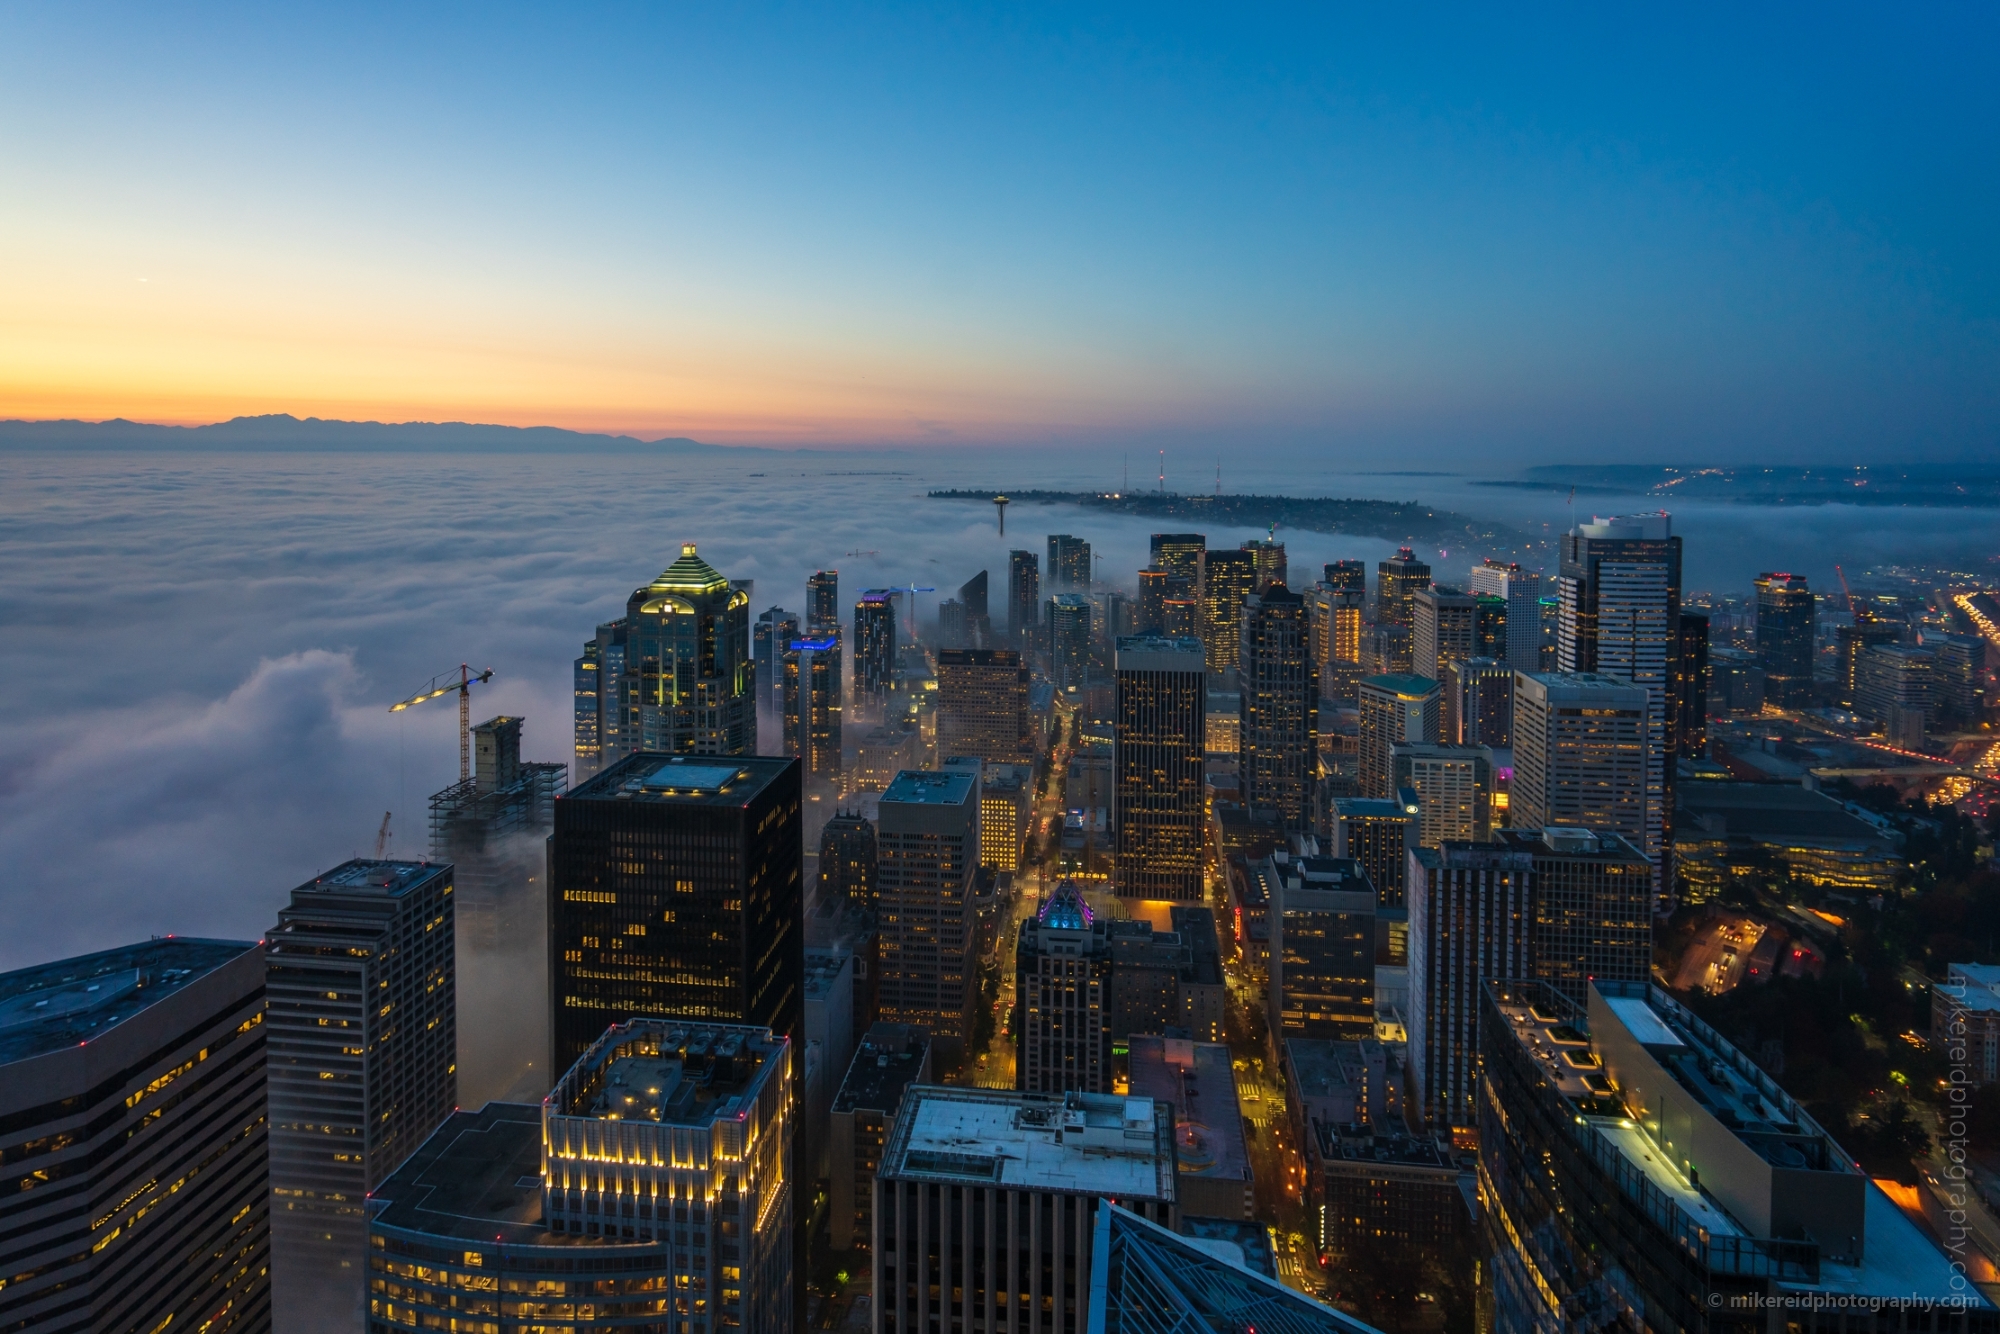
[1083, 1145]
[1642, 1153]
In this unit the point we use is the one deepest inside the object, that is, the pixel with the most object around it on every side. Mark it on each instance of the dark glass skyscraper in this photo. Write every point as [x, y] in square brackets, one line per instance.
[1158, 751]
[1785, 639]
[676, 892]
[847, 859]
[1691, 678]
[823, 602]
[1155, 587]
[1396, 583]
[1276, 687]
[982, 706]
[813, 705]
[874, 646]
[1069, 640]
[978, 622]
[1069, 562]
[1179, 554]
[774, 629]
[1024, 599]
[1346, 576]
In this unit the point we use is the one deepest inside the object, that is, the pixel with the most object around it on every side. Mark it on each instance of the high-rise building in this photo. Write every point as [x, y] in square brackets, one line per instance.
[1024, 600]
[1337, 617]
[1785, 639]
[1346, 576]
[362, 1054]
[812, 714]
[1378, 834]
[982, 705]
[1385, 651]
[1395, 710]
[1069, 562]
[494, 828]
[1521, 591]
[875, 647]
[1593, 906]
[1006, 813]
[1279, 751]
[1062, 986]
[1179, 554]
[1322, 950]
[1454, 787]
[1958, 677]
[1618, 614]
[1183, 618]
[1892, 685]
[1160, 728]
[677, 1132]
[1396, 583]
[1479, 702]
[1444, 629]
[676, 892]
[1155, 587]
[1227, 577]
[1471, 919]
[823, 602]
[847, 858]
[133, 1099]
[928, 856]
[672, 675]
[773, 629]
[978, 623]
[1270, 557]
[1045, 1165]
[1069, 640]
[1581, 754]
[1691, 686]
[1629, 1153]
[1850, 642]
[888, 1061]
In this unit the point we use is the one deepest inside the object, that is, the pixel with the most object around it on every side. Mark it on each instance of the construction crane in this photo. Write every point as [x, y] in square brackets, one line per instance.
[382, 837]
[1847, 593]
[467, 678]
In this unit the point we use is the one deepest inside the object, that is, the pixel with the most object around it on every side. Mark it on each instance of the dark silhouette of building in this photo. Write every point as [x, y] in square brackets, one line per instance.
[982, 707]
[1479, 702]
[928, 845]
[813, 706]
[1069, 562]
[772, 632]
[1691, 684]
[1322, 943]
[1155, 587]
[847, 860]
[1397, 581]
[889, 1059]
[978, 622]
[1069, 640]
[1472, 917]
[1160, 726]
[875, 647]
[1278, 748]
[1024, 600]
[1378, 833]
[1785, 639]
[823, 602]
[1346, 576]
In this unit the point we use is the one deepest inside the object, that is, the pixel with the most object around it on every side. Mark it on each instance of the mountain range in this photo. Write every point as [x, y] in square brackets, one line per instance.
[282, 432]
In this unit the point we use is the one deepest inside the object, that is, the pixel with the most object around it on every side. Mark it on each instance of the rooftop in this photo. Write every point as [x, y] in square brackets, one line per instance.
[1401, 683]
[889, 1059]
[1196, 1080]
[1354, 1144]
[365, 877]
[1768, 813]
[56, 1005]
[684, 780]
[1076, 1143]
[668, 1072]
[927, 787]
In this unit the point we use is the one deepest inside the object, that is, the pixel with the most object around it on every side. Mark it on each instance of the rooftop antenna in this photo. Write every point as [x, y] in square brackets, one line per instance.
[1218, 477]
[1163, 472]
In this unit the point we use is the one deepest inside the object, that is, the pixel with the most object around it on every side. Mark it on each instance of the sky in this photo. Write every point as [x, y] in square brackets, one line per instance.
[1456, 234]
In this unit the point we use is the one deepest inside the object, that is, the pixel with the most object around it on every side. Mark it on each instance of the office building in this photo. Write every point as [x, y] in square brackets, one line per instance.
[812, 716]
[881, 754]
[1351, 1083]
[362, 1055]
[1618, 615]
[1336, 619]
[1850, 642]
[681, 1133]
[1397, 582]
[928, 849]
[1322, 966]
[1443, 629]
[672, 674]
[1691, 687]
[1637, 1166]
[1396, 709]
[1277, 746]
[1269, 555]
[1371, 1185]
[1735, 682]
[1479, 702]
[1062, 986]
[1521, 593]
[1069, 563]
[1179, 554]
[982, 705]
[773, 630]
[1958, 678]
[874, 649]
[1385, 650]
[1471, 919]
[1785, 639]
[1729, 829]
[823, 603]
[676, 893]
[1160, 730]
[1069, 641]
[1183, 618]
[847, 859]
[1006, 814]
[978, 627]
[1166, 980]
[1892, 685]
[889, 1060]
[1582, 755]
[1378, 833]
[1593, 910]
[1026, 1174]
[1024, 600]
[1218, 1276]
[1346, 576]
[1212, 1157]
[1454, 787]
[1155, 587]
[1227, 577]
[133, 1096]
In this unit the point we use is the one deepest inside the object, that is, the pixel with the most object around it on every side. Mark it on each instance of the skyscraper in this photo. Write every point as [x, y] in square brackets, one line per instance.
[1160, 728]
[672, 675]
[1618, 614]
[362, 1051]
[1593, 913]
[1062, 972]
[1471, 919]
[1396, 583]
[1155, 587]
[1069, 562]
[1581, 754]
[982, 705]
[132, 1092]
[1785, 639]
[1479, 702]
[1346, 576]
[1851, 642]
[1336, 615]
[1179, 554]
[1454, 787]
[823, 602]
[1395, 709]
[847, 859]
[1521, 591]
[1270, 557]
[1278, 748]
[978, 622]
[675, 891]
[1691, 682]
[1378, 834]
[1024, 600]
[775, 628]
[1069, 640]
[1227, 577]
[1892, 685]
[1444, 629]
[928, 855]
[1322, 950]
[812, 706]
[874, 647]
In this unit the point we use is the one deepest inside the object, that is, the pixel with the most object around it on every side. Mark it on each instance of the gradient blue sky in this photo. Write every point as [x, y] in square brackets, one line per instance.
[1455, 234]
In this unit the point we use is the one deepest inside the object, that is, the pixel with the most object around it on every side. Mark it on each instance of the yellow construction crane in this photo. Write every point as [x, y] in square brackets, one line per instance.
[467, 678]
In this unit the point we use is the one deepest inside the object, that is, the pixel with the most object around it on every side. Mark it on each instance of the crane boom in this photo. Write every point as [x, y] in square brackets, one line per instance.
[1847, 592]
[467, 678]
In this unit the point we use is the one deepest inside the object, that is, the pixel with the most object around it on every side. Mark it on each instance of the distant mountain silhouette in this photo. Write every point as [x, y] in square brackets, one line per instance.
[284, 432]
